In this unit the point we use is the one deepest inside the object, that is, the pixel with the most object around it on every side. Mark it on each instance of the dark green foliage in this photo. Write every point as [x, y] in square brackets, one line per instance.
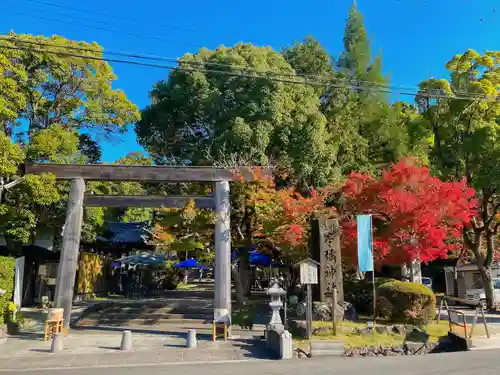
[171, 282]
[405, 302]
[7, 271]
[360, 293]
[245, 316]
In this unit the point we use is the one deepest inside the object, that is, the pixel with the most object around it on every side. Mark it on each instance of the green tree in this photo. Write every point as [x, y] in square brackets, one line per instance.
[185, 230]
[311, 60]
[36, 200]
[462, 114]
[45, 85]
[370, 131]
[199, 117]
[57, 95]
[89, 148]
[356, 60]
[96, 217]
[12, 79]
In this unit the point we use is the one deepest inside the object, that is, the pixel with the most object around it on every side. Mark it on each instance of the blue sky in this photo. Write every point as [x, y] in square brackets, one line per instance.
[415, 37]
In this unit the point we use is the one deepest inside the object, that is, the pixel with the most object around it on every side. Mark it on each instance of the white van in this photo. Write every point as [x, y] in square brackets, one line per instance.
[476, 293]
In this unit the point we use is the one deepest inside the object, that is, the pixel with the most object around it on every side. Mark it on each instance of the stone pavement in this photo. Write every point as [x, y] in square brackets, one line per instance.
[485, 343]
[84, 349]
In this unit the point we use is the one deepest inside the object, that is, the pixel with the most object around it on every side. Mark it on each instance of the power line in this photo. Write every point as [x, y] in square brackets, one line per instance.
[110, 30]
[108, 15]
[203, 64]
[218, 72]
[242, 75]
[211, 64]
[196, 63]
[67, 17]
[86, 49]
[186, 62]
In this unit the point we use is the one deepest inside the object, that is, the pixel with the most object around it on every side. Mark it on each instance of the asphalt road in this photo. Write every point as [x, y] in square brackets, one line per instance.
[482, 362]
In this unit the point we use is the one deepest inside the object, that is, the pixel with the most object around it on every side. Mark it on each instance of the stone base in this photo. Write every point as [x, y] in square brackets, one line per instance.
[279, 341]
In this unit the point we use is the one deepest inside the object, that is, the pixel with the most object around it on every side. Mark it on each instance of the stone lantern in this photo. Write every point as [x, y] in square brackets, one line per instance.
[276, 292]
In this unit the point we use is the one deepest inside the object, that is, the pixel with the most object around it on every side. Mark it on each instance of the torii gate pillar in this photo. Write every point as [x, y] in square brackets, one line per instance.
[68, 263]
[222, 303]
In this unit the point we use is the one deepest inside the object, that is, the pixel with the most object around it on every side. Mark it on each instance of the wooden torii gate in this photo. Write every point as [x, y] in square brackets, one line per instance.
[79, 173]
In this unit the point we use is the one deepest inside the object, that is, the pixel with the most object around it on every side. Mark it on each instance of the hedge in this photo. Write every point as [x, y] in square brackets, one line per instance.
[405, 302]
[7, 272]
[360, 293]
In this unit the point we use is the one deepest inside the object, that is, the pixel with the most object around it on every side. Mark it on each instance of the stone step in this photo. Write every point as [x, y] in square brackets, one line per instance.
[157, 308]
[327, 348]
[164, 310]
[146, 316]
[141, 322]
[135, 313]
[328, 353]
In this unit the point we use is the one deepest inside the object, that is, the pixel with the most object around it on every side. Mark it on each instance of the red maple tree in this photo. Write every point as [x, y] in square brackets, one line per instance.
[415, 215]
[282, 216]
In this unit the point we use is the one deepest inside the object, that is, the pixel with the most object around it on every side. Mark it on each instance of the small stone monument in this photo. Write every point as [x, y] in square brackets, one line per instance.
[325, 249]
[276, 292]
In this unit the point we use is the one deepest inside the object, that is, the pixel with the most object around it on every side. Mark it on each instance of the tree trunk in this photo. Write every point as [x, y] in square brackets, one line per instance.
[242, 275]
[485, 273]
[242, 282]
[484, 263]
[291, 280]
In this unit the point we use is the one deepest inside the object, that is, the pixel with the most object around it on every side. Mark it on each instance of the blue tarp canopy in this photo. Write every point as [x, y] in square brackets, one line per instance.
[144, 259]
[190, 263]
[259, 259]
[256, 258]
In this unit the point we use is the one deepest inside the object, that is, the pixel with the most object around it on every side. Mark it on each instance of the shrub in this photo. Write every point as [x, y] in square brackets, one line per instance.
[405, 302]
[360, 293]
[7, 271]
[244, 316]
[171, 279]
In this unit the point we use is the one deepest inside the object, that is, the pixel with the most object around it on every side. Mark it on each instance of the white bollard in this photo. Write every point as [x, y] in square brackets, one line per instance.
[57, 343]
[191, 339]
[126, 343]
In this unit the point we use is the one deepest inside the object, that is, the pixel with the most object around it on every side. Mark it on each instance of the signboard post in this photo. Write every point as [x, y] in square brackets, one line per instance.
[308, 277]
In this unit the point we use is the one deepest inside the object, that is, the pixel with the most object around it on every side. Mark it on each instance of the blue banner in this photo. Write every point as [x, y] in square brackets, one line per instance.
[365, 249]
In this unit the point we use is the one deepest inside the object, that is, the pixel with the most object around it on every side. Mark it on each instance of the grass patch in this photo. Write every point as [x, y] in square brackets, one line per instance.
[357, 340]
[186, 286]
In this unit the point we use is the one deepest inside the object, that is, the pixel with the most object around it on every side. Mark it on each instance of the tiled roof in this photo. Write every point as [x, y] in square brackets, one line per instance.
[126, 233]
